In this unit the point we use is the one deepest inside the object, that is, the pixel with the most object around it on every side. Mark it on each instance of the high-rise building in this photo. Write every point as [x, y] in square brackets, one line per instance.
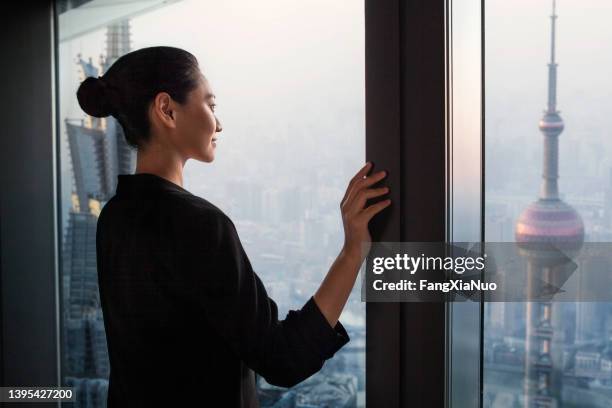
[98, 153]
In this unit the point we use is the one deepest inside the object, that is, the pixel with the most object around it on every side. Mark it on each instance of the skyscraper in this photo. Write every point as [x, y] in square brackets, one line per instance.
[98, 153]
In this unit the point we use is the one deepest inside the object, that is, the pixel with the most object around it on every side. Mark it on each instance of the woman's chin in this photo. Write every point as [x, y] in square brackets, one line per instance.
[208, 157]
[205, 156]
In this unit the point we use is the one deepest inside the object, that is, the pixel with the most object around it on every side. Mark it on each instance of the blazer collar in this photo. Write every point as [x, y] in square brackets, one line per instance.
[143, 183]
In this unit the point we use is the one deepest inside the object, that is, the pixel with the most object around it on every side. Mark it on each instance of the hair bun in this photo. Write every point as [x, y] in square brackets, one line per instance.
[94, 98]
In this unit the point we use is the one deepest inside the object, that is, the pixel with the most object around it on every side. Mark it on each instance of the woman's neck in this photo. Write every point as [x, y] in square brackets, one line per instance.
[161, 161]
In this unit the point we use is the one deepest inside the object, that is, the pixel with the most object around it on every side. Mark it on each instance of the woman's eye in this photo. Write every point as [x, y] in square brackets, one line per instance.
[212, 107]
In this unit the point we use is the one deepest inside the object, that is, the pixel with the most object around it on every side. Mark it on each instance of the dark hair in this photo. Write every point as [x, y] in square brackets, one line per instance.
[127, 88]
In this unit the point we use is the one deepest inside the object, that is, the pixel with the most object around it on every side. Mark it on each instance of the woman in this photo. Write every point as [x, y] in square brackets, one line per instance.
[186, 317]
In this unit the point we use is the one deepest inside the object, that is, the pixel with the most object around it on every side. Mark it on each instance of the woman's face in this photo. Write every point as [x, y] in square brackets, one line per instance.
[198, 125]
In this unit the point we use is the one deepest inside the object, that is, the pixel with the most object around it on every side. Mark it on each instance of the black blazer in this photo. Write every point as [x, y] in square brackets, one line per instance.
[186, 317]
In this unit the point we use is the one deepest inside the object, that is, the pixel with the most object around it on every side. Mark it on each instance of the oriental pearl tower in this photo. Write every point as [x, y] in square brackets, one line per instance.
[548, 233]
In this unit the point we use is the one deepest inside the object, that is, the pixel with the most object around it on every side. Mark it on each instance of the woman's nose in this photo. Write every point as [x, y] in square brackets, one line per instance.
[219, 127]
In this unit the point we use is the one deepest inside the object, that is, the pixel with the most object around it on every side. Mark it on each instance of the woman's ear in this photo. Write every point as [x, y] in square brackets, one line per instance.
[163, 110]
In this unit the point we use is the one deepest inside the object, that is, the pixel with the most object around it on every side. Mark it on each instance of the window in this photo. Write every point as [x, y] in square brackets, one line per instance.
[464, 208]
[504, 354]
[568, 362]
[289, 80]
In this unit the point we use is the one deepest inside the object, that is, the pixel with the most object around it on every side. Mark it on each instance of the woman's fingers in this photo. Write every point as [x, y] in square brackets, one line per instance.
[354, 216]
[360, 175]
[365, 194]
[363, 184]
[374, 209]
[374, 178]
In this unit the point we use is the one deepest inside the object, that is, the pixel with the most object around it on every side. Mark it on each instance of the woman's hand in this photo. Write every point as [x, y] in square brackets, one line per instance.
[355, 216]
[339, 281]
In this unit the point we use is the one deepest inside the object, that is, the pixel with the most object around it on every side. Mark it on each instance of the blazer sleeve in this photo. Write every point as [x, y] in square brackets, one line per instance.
[221, 283]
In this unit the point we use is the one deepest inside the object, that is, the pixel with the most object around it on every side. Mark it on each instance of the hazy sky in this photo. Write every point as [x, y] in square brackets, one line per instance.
[294, 70]
[517, 51]
[289, 79]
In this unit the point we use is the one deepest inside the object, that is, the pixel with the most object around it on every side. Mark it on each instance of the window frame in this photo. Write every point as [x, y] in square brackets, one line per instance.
[406, 135]
[29, 207]
[465, 320]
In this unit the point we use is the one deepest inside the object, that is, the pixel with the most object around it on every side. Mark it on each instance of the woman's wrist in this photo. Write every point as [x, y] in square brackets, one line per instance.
[353, 251]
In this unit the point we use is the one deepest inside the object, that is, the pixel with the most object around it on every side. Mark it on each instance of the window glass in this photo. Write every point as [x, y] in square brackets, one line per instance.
[464, 205]
[548, 174]
[289, 80]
